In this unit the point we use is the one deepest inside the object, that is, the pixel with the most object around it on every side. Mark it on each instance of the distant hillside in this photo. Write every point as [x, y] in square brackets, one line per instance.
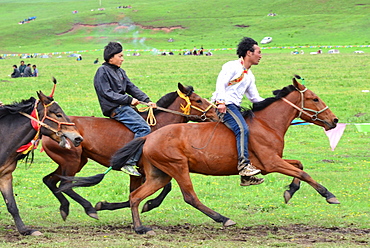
[149, 24]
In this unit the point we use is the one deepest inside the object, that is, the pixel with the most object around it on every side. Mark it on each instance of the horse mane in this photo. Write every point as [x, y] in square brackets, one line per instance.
[278, 94]
[16, 107]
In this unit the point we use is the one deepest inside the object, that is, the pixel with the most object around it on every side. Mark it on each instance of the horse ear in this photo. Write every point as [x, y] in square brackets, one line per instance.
[181, 88]
[297, 84]
[43, 98]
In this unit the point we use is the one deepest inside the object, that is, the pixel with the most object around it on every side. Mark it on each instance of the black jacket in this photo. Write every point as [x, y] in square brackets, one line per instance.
[114, 88]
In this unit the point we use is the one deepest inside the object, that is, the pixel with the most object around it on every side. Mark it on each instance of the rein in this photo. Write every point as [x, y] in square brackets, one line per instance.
[304, 110]
[186, 110]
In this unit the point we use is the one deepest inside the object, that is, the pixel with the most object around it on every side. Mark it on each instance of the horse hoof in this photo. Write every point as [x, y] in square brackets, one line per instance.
[229, 223]
[98, 206]
[36, 233]
[151, 233]
[93, 215]
[64, 215]
[333, 200]
[287, 196]
[145, 208]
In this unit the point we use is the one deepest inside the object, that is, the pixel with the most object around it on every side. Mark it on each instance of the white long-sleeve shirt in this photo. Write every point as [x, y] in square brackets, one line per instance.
[233, 94]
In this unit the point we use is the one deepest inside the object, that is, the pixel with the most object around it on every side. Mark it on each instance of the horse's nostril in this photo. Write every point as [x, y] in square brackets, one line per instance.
[79, 139]
[336, 120]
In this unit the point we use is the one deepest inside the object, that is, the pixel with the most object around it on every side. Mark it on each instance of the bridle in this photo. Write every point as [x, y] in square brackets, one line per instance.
[186, 109]
[303, 110]
[36, 123]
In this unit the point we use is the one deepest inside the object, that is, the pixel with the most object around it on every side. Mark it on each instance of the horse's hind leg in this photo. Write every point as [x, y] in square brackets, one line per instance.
[6, 189]
[296, 183]
[154, 181]
[190, 197]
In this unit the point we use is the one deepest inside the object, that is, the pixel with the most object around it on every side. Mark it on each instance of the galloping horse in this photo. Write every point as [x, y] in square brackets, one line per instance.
[209, 148]
[18, 136]
[103, 137]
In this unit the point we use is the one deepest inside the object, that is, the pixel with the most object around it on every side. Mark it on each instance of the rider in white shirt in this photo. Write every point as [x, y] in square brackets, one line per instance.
[234, 81]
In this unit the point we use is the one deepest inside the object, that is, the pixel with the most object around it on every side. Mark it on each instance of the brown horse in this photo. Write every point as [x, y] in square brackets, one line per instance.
[21, 124]
[103, 137]
[210, 149]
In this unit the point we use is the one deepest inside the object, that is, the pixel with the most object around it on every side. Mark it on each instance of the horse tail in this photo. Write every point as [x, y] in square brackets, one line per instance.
[120, 158]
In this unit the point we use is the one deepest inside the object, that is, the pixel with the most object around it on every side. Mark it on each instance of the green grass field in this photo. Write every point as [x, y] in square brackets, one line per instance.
[263, 219]
[343, 171]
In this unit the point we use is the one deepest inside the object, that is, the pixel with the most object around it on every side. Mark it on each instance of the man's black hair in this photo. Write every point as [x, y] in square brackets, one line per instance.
[111, 49]
[246, 44]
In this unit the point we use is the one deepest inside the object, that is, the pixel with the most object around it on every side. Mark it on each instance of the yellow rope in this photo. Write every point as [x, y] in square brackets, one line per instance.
[151, 117]
[185, 109]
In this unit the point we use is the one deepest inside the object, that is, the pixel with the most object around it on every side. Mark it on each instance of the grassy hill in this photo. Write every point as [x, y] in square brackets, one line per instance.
[212, 24]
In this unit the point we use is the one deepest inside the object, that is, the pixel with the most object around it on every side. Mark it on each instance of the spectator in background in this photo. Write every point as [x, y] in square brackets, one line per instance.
[27, 72]
[96, 61]
[16, 72]
[35, 71]
[79, 58]
[22, 67]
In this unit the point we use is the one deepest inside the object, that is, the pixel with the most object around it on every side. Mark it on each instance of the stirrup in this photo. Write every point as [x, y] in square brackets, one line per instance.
[131, 170]
[247, 181]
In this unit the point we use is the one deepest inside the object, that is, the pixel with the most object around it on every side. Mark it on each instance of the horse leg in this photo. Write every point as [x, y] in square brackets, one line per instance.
[89, 209]
[6, 187]
[69, 168]
[135, 182]
[296, 183]
[285, 168]
[190, 197]
[51, 181]
[149, 205]
[156, 180]
[156, 202]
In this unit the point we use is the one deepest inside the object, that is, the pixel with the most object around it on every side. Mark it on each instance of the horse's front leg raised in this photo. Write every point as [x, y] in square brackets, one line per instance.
[51, 181]
[296, 183]
[283, 167]
[6, 187]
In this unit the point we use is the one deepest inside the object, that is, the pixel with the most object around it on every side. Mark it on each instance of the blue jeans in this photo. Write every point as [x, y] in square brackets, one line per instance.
[234, 120]
[133, 121]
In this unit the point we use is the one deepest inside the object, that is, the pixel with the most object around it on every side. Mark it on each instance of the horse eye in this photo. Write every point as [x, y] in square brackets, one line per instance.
[199, 101]
[315, 100]
[59, 115]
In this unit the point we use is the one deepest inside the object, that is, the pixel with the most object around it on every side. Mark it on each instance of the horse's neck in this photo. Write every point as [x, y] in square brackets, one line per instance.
[279, 115]
[15, 132]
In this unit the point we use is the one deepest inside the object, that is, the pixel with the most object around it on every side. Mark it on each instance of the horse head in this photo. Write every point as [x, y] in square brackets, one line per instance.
[58, 126]
[194, 105]
[313, 109]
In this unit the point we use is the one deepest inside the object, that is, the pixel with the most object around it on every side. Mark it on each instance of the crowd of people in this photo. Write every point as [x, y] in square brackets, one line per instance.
[24, 70]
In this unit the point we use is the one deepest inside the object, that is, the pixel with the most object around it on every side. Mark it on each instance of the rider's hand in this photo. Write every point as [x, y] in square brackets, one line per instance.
[134, 102]
[221, 108]
[152, 104]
